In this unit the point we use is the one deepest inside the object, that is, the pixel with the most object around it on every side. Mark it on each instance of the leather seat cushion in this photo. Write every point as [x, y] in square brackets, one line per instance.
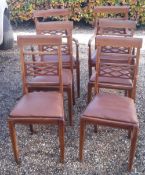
[113, 81]
[65, 58]
[112, 107]
[39, 104]
[110, 59]
[41, 80]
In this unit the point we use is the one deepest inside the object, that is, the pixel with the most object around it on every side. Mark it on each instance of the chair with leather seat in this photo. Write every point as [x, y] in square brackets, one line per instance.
[109, 109]
[120, 26]
[118, 53]
[65, 31]
[63, 15]
[39, 107]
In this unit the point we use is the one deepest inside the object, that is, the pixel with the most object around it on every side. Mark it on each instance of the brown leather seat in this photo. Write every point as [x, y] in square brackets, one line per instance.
[39, 104]
[39, 80]
[112, 107]
[65, 59]
[111, 81]
[112, 59]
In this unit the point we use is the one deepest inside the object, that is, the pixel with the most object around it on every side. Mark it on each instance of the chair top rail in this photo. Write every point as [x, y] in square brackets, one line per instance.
[51, 12]
[111, 9]
[118, 41]
[65, 25]
[39, 40]
[106, 23]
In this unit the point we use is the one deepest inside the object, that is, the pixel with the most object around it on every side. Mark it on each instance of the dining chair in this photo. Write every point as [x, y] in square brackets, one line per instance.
[111, 12]
[39, 107]
[109, 109]
[65, 31]
[113, 71]
[63, 15]
[122, 28]
[118, 53]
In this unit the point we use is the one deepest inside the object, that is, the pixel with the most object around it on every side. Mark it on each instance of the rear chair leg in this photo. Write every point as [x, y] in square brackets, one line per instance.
[78, 79]
[61, 140]
[31, 129]
[132, 147]
[70, 106]
[12, 131]
[82, 136]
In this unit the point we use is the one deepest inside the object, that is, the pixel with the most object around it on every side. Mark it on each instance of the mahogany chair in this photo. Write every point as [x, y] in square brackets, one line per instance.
[112, 69]
[39, 107]
[111, 12]
[63, 15]
[65, 31]
[110, 109]
[128, 28]
[122, 28]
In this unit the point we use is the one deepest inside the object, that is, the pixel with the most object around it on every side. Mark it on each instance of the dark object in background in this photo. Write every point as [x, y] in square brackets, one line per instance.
[84, 4]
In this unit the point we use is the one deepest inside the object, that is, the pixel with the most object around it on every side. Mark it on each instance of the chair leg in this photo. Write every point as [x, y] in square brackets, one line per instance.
[132, 147]
[95, 128]
[70, 106]
[61, 140]
[90, 70]
[73, 93]
[82, 136]
[78, 78]
[129, 133]
[89, 92]
[12, 131]
[31, 129]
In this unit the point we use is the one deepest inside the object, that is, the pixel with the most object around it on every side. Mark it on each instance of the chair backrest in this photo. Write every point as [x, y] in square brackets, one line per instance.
[63, 14]
[33, 68]
[63, 29]
[116, 70]
[116, 27]
[115, 12]
[122, 11]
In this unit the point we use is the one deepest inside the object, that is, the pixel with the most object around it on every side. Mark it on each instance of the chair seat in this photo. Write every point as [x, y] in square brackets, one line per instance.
[112, 107]
[39, 104]
[111, 81]
[65, 59]
[106, 58]
[41, 80]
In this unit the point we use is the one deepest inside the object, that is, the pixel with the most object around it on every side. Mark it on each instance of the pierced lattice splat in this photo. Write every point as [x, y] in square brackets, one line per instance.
[119, 50]
[54, 32]
[41, 69]
[123, 71]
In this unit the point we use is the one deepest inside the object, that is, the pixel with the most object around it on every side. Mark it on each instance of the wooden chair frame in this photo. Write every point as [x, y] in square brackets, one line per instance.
[110, 23]
[38, 40]
[131, 62]
[132, 127]
[65, 31]
[64, 14]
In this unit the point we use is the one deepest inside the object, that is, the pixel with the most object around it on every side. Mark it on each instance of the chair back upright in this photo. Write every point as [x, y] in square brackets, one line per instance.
[34, 68]
[115, 70]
